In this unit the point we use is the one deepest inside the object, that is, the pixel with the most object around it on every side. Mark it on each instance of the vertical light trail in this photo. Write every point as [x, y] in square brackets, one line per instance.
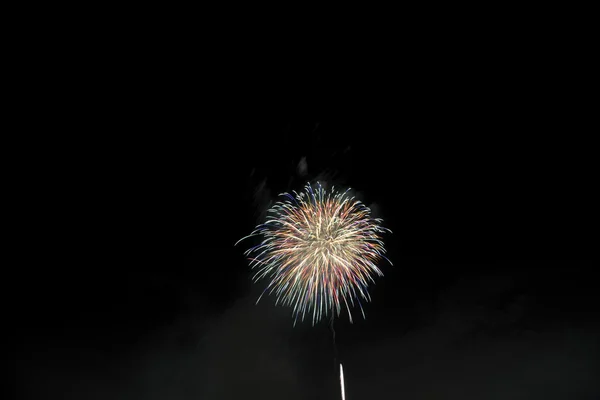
[342, 382]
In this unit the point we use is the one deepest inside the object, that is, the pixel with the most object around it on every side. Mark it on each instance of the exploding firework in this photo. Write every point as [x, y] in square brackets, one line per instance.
[320, 250]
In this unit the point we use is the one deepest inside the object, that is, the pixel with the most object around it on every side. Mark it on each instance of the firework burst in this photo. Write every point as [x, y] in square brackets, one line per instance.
[320, 250]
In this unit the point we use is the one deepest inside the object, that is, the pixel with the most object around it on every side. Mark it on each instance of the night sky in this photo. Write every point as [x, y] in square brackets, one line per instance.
[134, 289]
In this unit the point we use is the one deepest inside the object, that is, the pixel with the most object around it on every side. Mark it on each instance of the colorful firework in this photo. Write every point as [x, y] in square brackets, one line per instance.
[320, 250]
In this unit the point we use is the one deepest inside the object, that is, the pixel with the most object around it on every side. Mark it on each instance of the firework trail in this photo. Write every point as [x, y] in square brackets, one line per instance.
[320, 250]
[342, 382]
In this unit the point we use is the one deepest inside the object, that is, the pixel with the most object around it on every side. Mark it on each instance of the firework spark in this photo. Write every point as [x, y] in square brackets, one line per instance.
[320, 250]
[342, 382]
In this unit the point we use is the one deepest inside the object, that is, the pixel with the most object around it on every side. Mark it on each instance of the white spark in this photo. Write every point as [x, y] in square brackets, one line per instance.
[342, 382]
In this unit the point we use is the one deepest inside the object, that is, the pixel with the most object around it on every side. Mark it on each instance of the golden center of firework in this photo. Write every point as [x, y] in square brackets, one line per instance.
[325, 239]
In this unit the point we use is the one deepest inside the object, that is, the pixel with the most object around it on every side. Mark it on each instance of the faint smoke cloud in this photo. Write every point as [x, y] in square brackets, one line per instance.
[302, 167]
[262, 198]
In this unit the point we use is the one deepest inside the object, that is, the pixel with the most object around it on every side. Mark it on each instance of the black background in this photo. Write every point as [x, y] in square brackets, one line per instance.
[477, 161]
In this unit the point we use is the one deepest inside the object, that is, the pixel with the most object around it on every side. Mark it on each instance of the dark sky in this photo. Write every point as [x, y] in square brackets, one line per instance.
[134, 289]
